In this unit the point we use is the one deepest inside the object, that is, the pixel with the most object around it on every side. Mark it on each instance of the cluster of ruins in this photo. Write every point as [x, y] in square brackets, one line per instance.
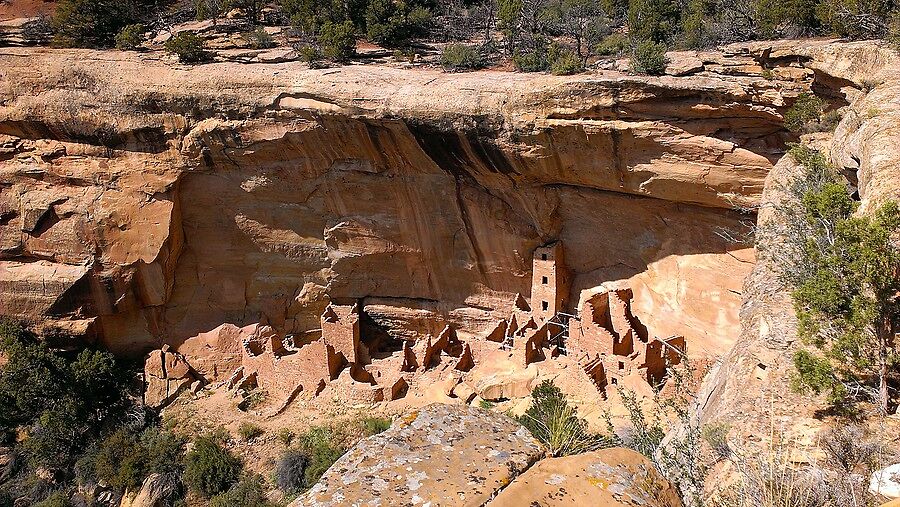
[606, 340]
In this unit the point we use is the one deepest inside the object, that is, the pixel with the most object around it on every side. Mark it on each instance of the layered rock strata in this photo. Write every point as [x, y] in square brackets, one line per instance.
[146, 203]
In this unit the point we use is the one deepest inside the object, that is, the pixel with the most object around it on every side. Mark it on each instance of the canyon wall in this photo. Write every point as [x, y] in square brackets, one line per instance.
[143, 202]
[749, 391]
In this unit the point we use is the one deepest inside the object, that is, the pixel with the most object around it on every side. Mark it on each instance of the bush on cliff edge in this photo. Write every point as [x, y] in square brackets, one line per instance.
[557, 425]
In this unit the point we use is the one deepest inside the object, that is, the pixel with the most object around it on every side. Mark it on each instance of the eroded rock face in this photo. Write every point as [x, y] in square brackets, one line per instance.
[749, 390]
[610, 477]
[166, 374]
[166, 201]
[442, 455]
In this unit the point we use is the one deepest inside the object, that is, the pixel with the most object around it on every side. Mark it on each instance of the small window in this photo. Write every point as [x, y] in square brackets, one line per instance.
[545, 280]
[545, 305]
[621, 365]
[614, 381]
[543, 257]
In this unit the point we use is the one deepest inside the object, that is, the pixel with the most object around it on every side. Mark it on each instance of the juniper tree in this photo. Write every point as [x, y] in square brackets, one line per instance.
[846, 293]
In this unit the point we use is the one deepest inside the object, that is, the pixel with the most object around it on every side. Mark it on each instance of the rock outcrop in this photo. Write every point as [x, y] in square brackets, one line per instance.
[749, 390]
[611, 477]
[166, 375]
[441, 455]
[147, 203]
[156, 491]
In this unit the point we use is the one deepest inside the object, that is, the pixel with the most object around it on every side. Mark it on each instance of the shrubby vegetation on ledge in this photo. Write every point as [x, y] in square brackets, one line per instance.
[845, 273]
[71, 421]
[843, 270]
[561, 36]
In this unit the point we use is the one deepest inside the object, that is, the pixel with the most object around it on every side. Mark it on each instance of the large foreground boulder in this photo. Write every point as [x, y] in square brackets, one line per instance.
[886, 482]
[157, 491]
[610, 477]
[442, 455]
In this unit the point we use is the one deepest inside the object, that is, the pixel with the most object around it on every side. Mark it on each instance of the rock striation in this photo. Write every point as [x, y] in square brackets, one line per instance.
[146, 203]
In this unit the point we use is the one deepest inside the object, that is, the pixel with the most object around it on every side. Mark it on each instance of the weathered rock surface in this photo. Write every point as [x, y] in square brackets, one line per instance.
[156, 491]
[166, 375]
[172, 200]
[749, 390]
[611, 477]
[886, 482]
[441, 455]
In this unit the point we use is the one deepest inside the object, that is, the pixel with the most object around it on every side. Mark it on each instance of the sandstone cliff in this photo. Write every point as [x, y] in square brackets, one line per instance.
[749, 391]
[145, 202]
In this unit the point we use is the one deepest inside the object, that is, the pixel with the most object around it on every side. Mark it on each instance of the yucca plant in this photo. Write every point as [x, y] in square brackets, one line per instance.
[557, 425]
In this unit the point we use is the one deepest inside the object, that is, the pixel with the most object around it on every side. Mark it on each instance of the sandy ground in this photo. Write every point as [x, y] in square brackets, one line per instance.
[14, 9]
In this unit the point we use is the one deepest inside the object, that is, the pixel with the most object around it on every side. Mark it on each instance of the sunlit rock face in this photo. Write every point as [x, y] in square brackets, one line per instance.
[144, 203]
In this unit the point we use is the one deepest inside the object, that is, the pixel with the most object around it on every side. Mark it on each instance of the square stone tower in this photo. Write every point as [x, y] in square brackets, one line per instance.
[549, 282]
[340, 330]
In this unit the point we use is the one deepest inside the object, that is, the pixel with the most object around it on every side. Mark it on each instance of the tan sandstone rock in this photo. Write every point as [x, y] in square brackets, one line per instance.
[441, 455]
[610, 477]
[156, 491]
[166, 375]
[421, 192]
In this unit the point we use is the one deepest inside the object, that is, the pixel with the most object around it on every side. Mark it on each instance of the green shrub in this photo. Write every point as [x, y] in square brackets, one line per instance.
[816, 374]
[211, 9]
[210, 469]
[57, 499]
[124, 459]
[163, 451]
[537, 54]
[564, 61]
[716, 436]
[393, 24]
[61, 403]
[120, 461]
[647, 431]
[130, 37]
[337, 40]
[323, 446]
[613, 45]
[285, 436]
[893, 31]
[309, 54]
[249, 431]
[814, 164]
[374, 425]
[656, 21]
[188, 47]
[248, 492]
[91, 23]
[803, 116]
[457, 57]
[318, 448]
[259, 39]
[290, 471]
[307, 16]
[843, 288]
[37, 31]
[649, 58]
[854, 19]
[552, 421]
[777, 18]
[531, 61]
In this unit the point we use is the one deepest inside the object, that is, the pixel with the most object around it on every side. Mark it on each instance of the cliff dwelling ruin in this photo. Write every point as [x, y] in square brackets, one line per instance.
[608, 343]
